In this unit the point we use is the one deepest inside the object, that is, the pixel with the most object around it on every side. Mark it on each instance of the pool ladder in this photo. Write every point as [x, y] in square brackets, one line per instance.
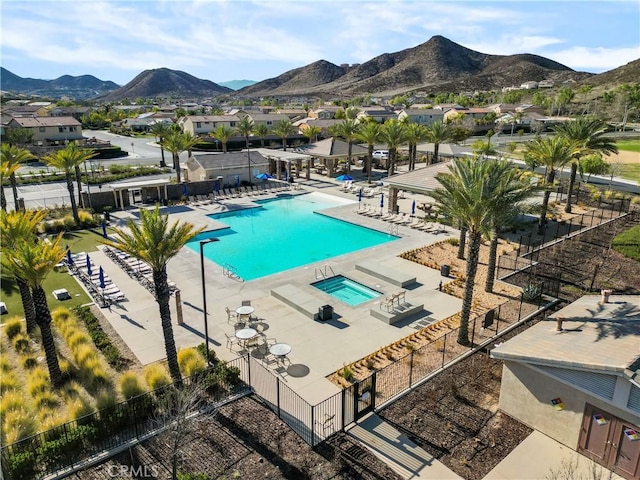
[321, 272]
[230, 271]
[393, 229]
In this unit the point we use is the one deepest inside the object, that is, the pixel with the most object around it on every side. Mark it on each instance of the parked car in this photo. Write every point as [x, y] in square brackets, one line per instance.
[381, 154]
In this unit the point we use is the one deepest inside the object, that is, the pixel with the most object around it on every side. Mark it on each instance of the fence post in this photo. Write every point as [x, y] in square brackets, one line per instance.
[473, 332]
[410, 368]
[498, 320]
[344, 407]
[278, 396]
[249, 369]
[444, 348]
[593, 214]
[373, 390]
[313, 426]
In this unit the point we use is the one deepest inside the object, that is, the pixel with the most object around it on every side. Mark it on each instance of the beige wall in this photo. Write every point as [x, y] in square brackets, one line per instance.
[526, 395]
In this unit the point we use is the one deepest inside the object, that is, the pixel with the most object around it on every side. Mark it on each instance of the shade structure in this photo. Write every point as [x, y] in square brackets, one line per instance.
[101, 276]
[69, 257]
[413, 207]
[263, 176]
[344, 178]
[104, 229]
[89, 271]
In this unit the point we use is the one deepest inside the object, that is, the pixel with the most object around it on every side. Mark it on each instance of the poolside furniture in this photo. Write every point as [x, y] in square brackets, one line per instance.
[231, 341]
[61, 294]
[245, 311]
[231, 315]
[280, 351]
[3, 308]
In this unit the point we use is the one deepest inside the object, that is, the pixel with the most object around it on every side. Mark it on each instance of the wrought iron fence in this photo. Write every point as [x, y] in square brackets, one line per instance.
[66, 446]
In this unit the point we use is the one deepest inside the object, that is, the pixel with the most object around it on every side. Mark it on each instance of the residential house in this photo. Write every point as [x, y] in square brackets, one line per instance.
[500, 108]
[49, 130]
[379, 114]
[326, 112]
[531, 85]
[576, 378]
[138, 124]
[76, 112]
[527, 108]
[546, 84]
[25, 111]
[233, 167]
[422, 116]
[323, 124]
[203, 125]
[474, 117]
[448, 106]
[268, 119]
[294, 114]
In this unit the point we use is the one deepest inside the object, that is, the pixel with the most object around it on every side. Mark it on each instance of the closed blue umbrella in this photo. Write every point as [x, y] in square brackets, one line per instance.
[263, 176]
[360, 195]
[237, 180]
[185, 191]
[286, 175]
[216, 186]
[344, 178]
[69, 257]
[89, 271]
[104, 229]
[413, 207]
[381, 202]
[101, 276]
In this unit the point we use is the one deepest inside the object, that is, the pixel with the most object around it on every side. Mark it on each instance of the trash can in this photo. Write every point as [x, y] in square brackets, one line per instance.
[325, 312]
[445, 270]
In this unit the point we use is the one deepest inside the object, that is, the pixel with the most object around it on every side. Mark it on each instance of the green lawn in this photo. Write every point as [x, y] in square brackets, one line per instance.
[78, 241]
[630, 171]
[628, 243]
[629, 145]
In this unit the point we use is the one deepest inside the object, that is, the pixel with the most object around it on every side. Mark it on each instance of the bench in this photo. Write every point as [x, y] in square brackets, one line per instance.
[389, 275]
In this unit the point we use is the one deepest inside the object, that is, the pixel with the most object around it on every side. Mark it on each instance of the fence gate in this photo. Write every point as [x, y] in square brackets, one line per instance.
[364, 396]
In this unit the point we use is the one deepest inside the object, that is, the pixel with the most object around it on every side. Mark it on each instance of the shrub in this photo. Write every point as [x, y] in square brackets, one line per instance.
[202, 349]
[78, 408]
[21, 343]
[38, 382]
[346, 373]
[45, 400]
[11, 401]
[531, 292]
[29, 362]
[22, 465]
[13, 327]
[75, 339]
[84, 354]
[101, 339]
[130, 385]
[18, 424]
[105, 398]
[190, 361]
[5, 365]
[156, 376]
[8, 382]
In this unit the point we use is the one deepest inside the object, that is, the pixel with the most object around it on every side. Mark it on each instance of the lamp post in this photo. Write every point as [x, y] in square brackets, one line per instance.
[204, 294]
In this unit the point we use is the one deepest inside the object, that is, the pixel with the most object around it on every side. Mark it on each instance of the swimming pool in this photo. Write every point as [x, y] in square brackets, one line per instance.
[284, 233]
[347, 290]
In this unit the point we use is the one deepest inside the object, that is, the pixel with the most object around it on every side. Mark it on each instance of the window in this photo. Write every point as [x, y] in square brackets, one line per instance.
[269, 122]
[198, 125]
[232, 124]
[42, 129]
[61, 129]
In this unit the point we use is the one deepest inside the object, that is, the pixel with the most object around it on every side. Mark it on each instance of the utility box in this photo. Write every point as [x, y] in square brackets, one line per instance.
[325, 313]
[445, 270]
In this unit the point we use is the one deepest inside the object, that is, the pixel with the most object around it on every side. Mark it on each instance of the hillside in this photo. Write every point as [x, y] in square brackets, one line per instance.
[165, 83]
[81, 87]
[625, 74]
[436, 65]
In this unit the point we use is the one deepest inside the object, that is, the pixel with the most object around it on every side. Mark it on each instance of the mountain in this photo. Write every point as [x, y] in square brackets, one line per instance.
[237, 84]
[81, 87]
[629, 73]
[434, 66]
[165, 83]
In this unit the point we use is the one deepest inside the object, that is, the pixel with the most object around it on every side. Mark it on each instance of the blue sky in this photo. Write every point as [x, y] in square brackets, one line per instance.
[231, 40]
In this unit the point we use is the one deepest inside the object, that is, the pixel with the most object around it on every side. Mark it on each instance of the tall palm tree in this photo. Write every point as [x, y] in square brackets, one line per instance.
[369, 133]
[415, 133]
[245, 128]
[177, 142]
[312, 132]
[393, 133]
[261, 130]
[588, 134]
[515, 119]
[468, 194]
[283, 129]
[437, 133]
[552, 153]
[35, 260]
[81, 155]
[161, 130]
[68, 160]
[223, 134]
[155, 242]
[12, 158]
[15, 228]
[510, 202]
[347, 129]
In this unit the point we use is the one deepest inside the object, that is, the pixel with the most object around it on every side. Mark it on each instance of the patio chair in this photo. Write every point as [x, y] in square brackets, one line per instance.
[388, 303]
[231, 315]
[231, 341]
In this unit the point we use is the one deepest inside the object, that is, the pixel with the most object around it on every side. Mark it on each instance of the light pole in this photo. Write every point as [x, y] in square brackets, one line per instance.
[204, 294]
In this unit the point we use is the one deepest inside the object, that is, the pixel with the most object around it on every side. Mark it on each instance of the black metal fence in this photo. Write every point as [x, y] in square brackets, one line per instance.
[62, 448]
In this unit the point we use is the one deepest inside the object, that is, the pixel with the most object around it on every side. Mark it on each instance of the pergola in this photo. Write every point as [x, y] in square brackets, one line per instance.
[118, 188]
[279, 156]
[422, 180]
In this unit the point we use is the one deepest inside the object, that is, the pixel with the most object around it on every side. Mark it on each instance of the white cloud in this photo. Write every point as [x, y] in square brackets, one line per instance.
[595, 60]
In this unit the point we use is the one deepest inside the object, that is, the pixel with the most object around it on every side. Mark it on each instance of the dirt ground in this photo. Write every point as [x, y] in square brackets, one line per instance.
[624, 156]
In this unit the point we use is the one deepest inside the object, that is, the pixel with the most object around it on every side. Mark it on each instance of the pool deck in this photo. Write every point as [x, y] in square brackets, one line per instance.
[319, 347]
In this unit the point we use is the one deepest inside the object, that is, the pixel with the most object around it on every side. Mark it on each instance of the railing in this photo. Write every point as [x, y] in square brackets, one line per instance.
[230, 271]
[393, 229]
[321, 272]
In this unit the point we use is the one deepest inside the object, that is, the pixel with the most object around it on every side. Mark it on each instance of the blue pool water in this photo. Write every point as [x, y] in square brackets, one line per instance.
[347, 290]
[284, 233]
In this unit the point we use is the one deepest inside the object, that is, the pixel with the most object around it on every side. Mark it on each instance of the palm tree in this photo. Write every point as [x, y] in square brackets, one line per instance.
[515, 119]
[12, 158]
[68, 160]
[177, 142]
[155, 242]
[347, 129]
[369, 133]
[415, 134]
[468, 194]
[283, 129]
[588, 134]
[512, 191]
[393, 133]
[35, 260]
[312, 132]
[81, 155]
[161, 130]
[437, 133]
[553, 153]
[483, 149]
[261, 130]
[223, 134]
[15, 228]
[245, 128]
